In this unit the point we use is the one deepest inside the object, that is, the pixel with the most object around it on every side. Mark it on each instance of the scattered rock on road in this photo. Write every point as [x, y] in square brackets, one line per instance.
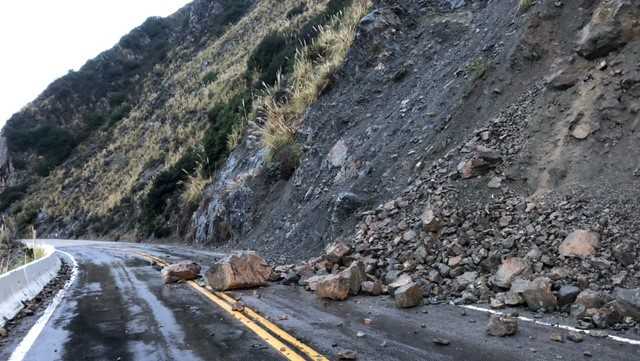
[347, 355]
[181, 271]
[237, 271]
[3, 332]
[502, 326]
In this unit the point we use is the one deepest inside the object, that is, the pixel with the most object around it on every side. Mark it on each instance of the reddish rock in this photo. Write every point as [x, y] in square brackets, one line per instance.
[580, 243]
[181, 271]
[337, 250]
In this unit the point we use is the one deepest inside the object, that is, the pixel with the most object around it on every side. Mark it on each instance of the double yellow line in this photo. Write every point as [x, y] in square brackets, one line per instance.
[273, 335]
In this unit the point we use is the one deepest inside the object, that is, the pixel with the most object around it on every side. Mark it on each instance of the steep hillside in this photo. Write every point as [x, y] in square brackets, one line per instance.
[285, 125]
[122, 147]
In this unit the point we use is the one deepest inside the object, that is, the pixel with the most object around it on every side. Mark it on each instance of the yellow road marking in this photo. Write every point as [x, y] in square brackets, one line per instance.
[247, 316]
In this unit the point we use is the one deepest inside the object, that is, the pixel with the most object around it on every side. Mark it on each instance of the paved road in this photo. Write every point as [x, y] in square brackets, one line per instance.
[118, 309]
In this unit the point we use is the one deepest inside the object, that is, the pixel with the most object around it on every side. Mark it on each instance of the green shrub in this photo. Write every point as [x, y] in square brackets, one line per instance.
[12, 195]
[233, 10]
[222, 118]
[52, 143]
[297, 10]
[283, 161]
[166, 185]
[119, 113]
[276, 52]
[210, 77]
[95, 120]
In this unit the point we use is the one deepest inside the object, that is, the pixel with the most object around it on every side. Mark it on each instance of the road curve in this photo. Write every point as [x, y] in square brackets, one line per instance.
[118, 309]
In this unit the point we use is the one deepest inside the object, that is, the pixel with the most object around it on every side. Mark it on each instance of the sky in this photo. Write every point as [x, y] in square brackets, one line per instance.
[41, 40]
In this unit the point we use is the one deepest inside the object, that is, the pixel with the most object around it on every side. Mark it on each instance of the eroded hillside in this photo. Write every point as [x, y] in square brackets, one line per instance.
[299, 122]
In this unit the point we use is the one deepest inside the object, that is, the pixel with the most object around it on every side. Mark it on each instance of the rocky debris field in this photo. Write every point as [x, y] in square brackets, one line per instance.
[514, 215]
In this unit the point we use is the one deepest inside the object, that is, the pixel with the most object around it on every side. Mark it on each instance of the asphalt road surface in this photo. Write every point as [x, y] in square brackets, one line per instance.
[118, 309]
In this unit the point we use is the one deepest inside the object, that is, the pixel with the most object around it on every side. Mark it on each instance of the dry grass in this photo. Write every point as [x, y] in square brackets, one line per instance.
[310, 77]
[100, 183]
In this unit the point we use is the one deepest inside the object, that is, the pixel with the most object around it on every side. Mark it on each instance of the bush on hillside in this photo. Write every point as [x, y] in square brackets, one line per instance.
[166, 185]
[276, 52]
[12, 195]
[222, 118]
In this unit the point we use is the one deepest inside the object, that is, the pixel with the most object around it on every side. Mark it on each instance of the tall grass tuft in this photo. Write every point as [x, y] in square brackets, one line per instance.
[314, 65]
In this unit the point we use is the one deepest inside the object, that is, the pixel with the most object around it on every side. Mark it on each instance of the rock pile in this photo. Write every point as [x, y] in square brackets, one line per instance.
[445, 239]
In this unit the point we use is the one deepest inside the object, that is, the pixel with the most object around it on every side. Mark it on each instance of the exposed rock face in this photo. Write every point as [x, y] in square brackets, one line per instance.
[502, 326]
[580, 243]
[181, 271]
[237, 271]
[614, 24]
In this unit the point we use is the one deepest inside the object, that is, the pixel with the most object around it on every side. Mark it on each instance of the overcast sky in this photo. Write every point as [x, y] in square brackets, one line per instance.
[42, 40]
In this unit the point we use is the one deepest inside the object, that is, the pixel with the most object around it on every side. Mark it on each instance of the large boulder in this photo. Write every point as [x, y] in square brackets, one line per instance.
[408, 295]
[580, 243]
[612, 26]
[181, 271]
[509, 270]
[335, 287]
[356, 275]
[539, 295]
[237, 271]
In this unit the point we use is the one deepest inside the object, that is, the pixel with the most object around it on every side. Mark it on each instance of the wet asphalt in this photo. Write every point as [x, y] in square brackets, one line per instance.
[118, 309]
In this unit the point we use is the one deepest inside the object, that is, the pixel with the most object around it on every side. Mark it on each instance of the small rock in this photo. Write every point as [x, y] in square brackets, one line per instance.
[337, 250]
[575, 337]
[557, 337]
[373, 288]
[3, 332]
[347, 355]
[360, 334]
[441, 341]
[430, 221]
[502, 326]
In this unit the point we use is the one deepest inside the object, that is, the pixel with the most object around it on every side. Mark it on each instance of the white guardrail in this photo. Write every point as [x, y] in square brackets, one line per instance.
[25, 282]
